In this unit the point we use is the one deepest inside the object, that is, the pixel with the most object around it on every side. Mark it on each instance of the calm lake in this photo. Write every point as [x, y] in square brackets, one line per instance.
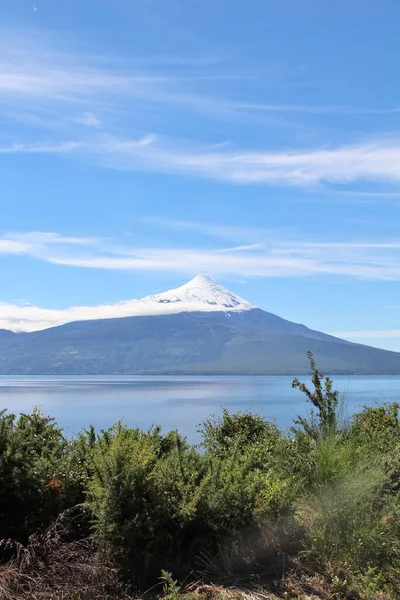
[177, 402]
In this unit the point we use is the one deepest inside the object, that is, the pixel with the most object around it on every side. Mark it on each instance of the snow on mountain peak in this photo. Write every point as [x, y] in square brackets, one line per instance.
[201, 293]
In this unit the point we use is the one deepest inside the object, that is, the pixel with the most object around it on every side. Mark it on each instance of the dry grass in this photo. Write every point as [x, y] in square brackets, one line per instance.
[57, 566]
[62, 564]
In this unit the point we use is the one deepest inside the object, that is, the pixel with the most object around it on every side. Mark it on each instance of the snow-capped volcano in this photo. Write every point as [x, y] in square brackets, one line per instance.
[201, 293]
[200, 328]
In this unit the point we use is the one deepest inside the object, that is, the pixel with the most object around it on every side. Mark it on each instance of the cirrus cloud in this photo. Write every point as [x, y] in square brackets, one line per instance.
[374, 161]
[279, 256]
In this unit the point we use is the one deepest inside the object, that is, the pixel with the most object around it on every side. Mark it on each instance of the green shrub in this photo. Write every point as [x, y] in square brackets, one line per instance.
[157, 501]
[75, 468]
[30, 449]
[236, 433]
[171, 589]
[120, 496]
[377, 428]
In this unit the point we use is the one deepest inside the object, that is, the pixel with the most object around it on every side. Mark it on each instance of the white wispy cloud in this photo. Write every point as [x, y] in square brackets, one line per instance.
[33, 318]
[89, 119]
[41, 72]
[9, 246]
[39, 67]
[25, 317]
[35, 65]
[19, 318]
[374, 161]
[192, 261]
[41, 245]
[50, 238]
[276, 257]
[218, 230]
[74, 103]
[365, 196]
[50, 148]
[56, 84]
[313, 109]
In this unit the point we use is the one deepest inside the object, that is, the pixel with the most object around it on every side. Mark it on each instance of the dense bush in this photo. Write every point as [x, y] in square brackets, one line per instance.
[31, 452]
[325, 492]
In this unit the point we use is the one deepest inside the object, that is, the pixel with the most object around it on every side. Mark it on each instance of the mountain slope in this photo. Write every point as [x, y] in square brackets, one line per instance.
[228, 336]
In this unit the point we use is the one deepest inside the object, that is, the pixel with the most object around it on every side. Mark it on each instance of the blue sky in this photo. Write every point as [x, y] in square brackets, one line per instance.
[144, 142]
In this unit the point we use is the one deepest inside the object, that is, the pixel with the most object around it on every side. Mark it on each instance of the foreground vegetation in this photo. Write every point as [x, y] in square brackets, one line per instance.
[310, 512]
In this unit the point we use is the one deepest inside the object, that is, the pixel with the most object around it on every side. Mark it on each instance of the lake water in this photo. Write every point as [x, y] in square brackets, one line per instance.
[177, 402]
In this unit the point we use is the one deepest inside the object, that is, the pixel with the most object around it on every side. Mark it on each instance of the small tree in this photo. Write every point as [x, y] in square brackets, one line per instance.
[324, 398]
